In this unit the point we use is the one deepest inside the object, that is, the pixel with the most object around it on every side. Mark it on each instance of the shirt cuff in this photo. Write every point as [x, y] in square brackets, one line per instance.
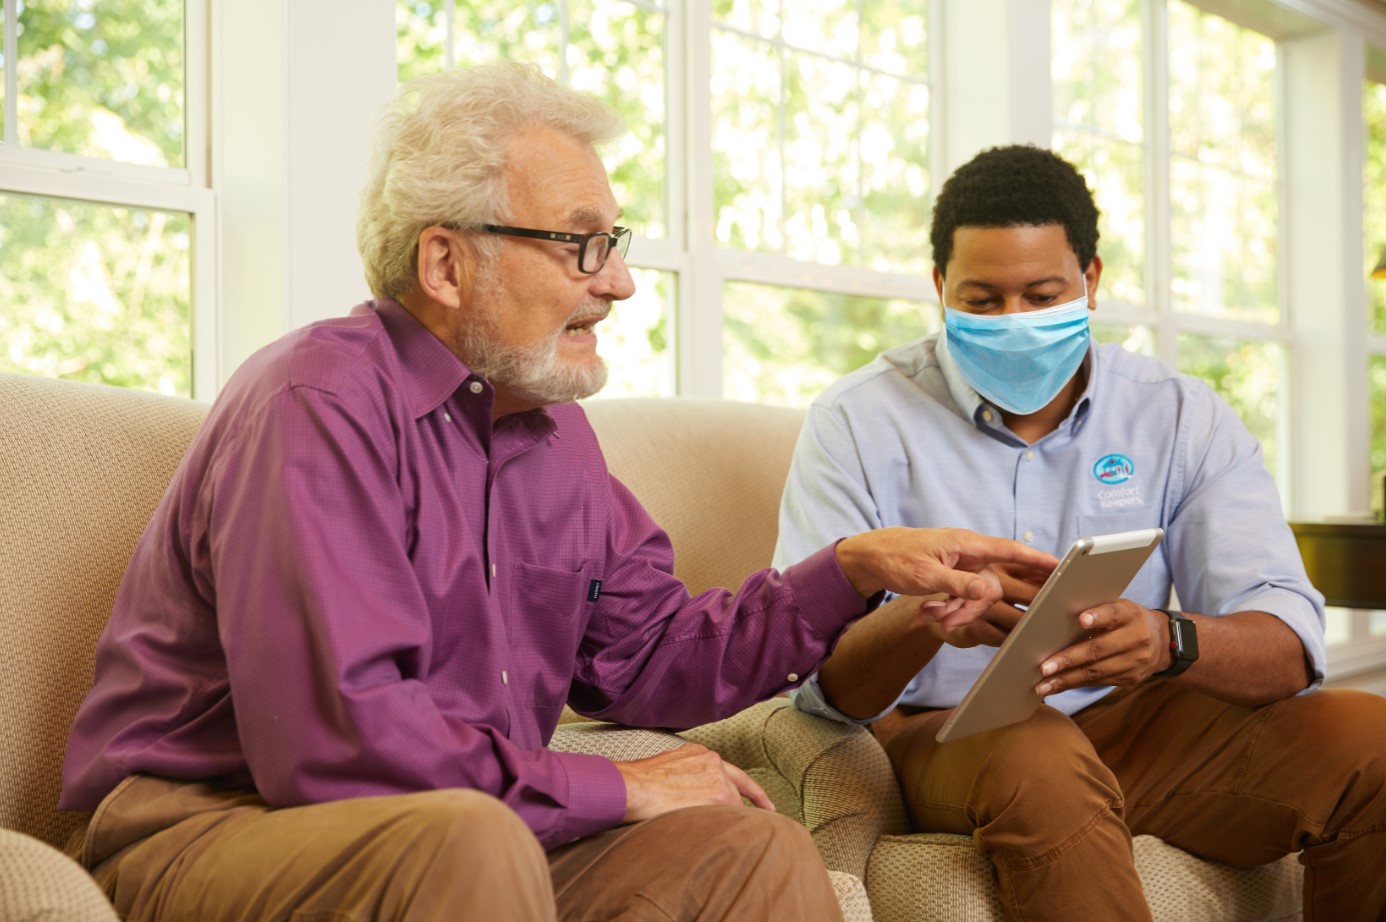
[596, 796]
[824, 595]
[810, 699]
[1303, 617]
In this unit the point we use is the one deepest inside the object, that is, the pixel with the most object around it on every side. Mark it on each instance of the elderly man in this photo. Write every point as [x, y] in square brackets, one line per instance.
[1197, 727]
[394, 552]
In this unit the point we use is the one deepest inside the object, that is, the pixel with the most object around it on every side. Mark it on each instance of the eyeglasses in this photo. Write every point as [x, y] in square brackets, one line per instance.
[593, 249]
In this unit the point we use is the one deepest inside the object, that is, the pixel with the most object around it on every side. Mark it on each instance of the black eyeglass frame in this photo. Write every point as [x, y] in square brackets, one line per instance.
[617, 239]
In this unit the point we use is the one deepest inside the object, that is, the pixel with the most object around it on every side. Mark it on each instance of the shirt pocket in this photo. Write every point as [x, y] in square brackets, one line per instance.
[548, 617]
[1151, 586]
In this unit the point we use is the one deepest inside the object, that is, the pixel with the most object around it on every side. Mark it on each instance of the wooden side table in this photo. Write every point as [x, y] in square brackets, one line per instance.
[1346, 561]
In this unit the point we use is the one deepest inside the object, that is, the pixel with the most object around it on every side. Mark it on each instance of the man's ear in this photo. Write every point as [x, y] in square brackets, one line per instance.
[1093, 274]
[445, 266]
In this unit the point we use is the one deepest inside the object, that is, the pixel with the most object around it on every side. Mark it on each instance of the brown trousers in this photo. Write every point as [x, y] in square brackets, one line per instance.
[1055, 800]
[171, 850]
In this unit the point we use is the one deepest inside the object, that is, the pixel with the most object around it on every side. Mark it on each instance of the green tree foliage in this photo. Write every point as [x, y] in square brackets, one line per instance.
[90, 291]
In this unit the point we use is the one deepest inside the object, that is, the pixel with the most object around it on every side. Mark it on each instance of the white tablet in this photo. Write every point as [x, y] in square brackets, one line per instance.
[1095, 570]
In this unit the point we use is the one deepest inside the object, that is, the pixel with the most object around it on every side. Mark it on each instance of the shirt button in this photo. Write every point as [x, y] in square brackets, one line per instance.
[1029, 535]
[447, 416]
[986, 415]
[1029, 456]
[476, 387]
[793, 677]
[505, 677]
[493, 571]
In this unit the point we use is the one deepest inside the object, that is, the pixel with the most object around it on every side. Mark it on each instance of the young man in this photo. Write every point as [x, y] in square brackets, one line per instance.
[1012, 423]
[394, 552]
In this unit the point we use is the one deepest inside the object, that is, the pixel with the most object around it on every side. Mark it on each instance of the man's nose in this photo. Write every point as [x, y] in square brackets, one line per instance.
[614, 279]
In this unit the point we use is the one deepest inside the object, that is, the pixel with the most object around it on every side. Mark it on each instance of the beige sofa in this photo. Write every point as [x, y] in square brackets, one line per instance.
[81, 467]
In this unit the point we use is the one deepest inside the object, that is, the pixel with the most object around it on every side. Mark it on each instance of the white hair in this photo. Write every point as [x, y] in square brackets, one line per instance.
[440, 148]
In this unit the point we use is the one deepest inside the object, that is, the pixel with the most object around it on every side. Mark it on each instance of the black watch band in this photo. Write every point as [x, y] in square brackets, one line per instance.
[1183, 643]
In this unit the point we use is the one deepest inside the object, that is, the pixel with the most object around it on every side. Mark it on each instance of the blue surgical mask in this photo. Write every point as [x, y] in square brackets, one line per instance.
[1019, 362]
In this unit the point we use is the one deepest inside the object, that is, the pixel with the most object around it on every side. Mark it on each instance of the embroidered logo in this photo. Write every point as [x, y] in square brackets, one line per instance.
[1113, 469]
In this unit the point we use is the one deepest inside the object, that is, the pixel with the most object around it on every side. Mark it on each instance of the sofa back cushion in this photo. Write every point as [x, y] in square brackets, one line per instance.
[81, 468]
[710, 472]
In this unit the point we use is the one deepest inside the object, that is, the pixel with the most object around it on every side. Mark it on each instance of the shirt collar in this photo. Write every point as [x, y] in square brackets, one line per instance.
[429, 372]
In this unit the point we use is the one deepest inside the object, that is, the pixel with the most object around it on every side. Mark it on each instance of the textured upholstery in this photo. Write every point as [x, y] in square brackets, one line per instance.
[82, 467]
[38, 883]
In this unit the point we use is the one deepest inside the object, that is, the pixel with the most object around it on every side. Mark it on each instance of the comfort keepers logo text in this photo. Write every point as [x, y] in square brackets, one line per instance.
[1111, 470]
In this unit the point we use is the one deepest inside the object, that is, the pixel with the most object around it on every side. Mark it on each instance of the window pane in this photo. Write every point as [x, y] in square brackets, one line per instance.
[825, 26]
[636, 340]
[1096, 67]
[1223, 176]
[1133, 338]
[1115, 174]
[509, 30]
[759, 17]
[816, 156]
[421, 38]
[613, 49]
[895, 175]
[1375, 189]
[748, 183]
[1249, 375]
[103, 78]
[1098, 114]
[820, 170]
[785, 345]
[894, 39]
[95, 293]
[1376, 370]
[616, 53]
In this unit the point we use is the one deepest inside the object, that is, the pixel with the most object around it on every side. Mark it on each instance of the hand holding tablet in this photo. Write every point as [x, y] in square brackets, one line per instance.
[1095, 570]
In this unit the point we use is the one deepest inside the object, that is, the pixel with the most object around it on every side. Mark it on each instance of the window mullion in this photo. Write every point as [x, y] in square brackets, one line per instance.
[1157, 177]
[11, 46]
[699, 339]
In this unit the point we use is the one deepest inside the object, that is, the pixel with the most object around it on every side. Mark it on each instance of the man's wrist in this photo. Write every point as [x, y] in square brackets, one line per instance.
[851, 559]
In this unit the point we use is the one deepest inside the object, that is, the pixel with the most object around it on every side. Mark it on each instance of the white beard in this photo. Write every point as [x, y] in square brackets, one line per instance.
[534, 373]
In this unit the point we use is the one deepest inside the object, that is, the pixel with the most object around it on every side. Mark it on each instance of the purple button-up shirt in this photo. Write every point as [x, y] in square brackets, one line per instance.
[356, 585]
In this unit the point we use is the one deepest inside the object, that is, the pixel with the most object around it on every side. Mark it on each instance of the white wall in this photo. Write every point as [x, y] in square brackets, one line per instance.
[295, 86]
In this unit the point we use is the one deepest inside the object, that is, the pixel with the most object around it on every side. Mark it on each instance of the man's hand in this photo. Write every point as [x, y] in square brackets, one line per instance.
[924, 561]
[689, 776]
[1019, 585]
[1126, 644]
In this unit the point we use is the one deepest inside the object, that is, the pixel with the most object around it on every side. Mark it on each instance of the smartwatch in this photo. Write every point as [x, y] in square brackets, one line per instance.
[1183, 643]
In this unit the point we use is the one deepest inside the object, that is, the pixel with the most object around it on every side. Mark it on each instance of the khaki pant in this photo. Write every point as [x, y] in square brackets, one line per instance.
[1055, 800]
[172, 850]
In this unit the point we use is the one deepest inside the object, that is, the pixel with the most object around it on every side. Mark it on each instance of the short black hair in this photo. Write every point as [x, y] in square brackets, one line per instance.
[1016, 185]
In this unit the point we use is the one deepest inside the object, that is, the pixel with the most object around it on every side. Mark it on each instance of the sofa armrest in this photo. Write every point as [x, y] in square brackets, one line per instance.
[40, 883]
[832, 777]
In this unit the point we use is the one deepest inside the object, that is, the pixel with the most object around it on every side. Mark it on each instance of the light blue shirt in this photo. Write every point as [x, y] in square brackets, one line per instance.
[906, 441]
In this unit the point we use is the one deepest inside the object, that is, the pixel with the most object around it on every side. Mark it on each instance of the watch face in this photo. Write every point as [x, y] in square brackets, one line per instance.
[1185, 639]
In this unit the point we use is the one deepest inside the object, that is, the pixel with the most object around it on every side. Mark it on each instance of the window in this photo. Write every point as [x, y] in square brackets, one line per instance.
[1189, 196]
[103, 192]
[803, 199]
[1374, 186]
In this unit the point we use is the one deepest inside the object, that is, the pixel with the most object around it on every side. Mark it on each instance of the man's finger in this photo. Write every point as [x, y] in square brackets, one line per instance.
[1003, 550]
[748, 788]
